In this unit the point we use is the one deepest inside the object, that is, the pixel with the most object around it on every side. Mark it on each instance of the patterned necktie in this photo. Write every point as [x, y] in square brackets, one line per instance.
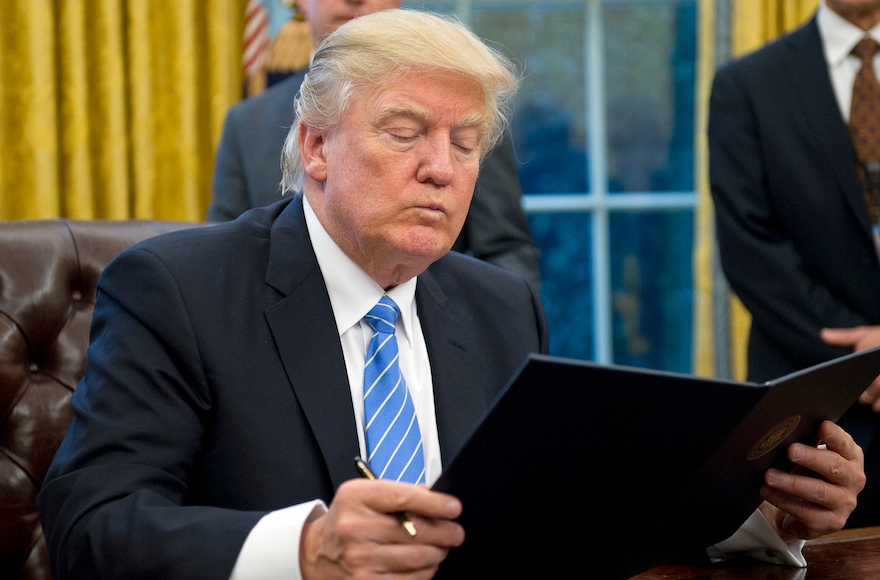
[864, 117]
[394, 441]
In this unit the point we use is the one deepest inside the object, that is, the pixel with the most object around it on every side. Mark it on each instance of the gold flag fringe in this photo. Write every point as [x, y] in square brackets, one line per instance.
[291, 48]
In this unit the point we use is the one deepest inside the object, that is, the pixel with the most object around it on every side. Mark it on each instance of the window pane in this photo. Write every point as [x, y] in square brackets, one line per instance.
[566, 278]
[650, 56]
[547, 40]
[652, 289]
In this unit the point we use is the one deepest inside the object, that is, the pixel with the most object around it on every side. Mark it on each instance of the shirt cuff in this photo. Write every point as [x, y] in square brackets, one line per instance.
[271, 549]
[757, 539]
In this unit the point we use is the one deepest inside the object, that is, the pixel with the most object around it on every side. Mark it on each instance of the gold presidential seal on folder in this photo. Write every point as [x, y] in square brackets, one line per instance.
[774, 437]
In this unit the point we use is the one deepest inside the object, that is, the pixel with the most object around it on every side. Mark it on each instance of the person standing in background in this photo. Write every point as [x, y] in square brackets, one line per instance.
[793, 208]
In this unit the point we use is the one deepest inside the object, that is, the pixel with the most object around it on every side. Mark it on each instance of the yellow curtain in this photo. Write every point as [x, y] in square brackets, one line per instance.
[756, 22]
[113, 108]
[753, 24]
[704, 337]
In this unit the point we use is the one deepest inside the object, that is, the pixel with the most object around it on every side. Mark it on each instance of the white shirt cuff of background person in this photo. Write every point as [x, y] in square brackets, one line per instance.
[271, 550]
[757, 539]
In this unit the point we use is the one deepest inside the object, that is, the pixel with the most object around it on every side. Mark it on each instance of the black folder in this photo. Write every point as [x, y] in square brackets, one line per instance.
[607, 471]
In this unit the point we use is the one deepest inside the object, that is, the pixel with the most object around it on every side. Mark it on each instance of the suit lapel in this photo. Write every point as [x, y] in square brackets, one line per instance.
[305, 333]
[808, 72]
[459, 404]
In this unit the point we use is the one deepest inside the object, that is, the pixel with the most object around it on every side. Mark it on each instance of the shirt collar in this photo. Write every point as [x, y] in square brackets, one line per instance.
[352, 292]
[839, 35]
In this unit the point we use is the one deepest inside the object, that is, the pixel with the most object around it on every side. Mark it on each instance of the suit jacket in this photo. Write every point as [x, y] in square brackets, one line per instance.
[247, 174]
[792, 223]
[216, 391]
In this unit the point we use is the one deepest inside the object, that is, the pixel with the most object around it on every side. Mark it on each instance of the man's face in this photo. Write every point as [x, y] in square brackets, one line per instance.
[325, 16]
[398, 172]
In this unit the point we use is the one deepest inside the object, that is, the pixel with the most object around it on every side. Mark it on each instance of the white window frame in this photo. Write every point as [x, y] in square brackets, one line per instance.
[599, 204]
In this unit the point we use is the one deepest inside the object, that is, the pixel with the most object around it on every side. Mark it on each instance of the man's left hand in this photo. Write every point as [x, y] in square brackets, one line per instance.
[802, 505]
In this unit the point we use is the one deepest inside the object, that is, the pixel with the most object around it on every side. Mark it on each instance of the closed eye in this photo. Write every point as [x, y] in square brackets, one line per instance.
[466, 139]
[467, 146]
[403, 136]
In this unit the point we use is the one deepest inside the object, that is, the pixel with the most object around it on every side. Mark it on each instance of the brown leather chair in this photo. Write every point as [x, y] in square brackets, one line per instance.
[48, 277]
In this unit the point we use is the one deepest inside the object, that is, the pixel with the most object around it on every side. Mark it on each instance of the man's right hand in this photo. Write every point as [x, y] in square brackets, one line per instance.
[361, 535]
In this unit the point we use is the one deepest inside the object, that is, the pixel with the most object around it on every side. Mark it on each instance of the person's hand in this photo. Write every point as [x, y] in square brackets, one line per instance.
[361, 536]
[858, 338]
[802, 505]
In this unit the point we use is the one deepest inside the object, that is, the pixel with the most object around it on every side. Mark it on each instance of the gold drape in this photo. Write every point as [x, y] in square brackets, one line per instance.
[754, 23]
[704, 243]
[112, 108]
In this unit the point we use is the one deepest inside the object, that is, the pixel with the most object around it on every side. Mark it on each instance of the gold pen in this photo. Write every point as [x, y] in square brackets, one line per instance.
[365, 471]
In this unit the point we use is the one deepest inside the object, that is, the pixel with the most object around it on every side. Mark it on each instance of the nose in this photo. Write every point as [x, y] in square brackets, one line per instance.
[436, 164]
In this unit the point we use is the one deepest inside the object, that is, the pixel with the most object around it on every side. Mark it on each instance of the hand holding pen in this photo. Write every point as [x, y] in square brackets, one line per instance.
[365, 471]
[355, 536]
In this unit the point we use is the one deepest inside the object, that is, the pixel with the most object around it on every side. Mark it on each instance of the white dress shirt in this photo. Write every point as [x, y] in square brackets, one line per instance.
[839, 37]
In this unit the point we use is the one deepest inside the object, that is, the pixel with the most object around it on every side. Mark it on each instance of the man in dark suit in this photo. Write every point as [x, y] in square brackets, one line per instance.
[218, 391]
[225, 391]
[247, 170]
[793, 226]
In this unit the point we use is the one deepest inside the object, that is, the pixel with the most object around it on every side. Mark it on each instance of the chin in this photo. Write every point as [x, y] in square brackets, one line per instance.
[428, 255]
[426, 241]
[426, 250]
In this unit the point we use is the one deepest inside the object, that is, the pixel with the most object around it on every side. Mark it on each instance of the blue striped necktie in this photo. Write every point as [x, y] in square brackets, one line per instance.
[394, 441]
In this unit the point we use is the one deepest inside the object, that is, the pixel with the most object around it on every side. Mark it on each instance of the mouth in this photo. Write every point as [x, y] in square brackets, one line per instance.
[431, 207]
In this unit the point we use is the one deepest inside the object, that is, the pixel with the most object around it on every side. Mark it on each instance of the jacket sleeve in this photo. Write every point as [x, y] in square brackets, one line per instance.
[114, 502]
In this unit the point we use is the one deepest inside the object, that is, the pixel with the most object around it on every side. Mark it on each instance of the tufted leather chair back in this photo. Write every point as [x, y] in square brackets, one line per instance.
[48, 277]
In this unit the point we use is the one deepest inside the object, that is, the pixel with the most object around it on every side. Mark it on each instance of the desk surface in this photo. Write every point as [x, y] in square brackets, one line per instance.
[846, 555]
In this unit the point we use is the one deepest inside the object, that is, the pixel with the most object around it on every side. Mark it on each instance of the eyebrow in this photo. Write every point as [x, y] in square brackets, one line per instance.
[471, 120]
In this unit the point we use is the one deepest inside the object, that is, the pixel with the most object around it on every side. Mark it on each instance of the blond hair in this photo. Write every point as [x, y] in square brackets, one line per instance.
[373, 51]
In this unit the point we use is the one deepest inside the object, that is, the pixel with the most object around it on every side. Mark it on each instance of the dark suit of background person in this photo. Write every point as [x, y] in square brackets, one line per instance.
[247, 174]
[255, 407]
[792, 223]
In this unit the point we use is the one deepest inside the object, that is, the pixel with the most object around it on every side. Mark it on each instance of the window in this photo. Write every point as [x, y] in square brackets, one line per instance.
[604, 137]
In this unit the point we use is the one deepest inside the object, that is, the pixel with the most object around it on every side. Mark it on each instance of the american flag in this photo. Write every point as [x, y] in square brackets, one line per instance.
[256, 37]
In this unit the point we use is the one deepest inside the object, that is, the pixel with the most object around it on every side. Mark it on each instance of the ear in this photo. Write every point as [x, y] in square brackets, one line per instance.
[311, 146]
